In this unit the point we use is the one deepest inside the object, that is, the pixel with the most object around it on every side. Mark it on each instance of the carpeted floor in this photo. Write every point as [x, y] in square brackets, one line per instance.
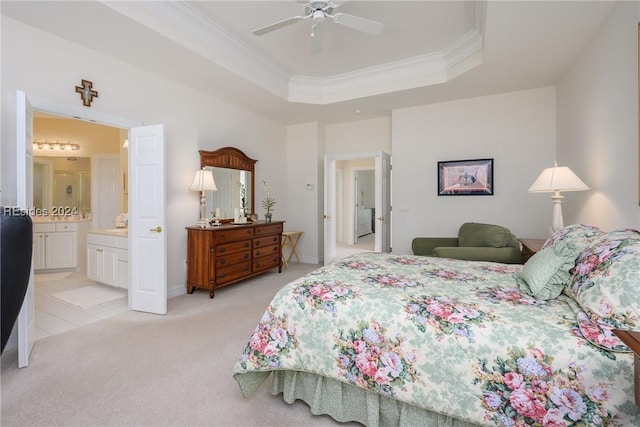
[139, 369]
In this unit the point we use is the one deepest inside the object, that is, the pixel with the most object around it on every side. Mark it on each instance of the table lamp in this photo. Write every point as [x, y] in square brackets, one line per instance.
[203, 181]
[554, 180]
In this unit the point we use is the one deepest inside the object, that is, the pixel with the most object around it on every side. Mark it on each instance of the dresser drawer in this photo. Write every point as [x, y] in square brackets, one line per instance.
[265, 230]
[232, 272]
[266, 262]
[267, 250]
[228, 248]
[232, 258]
[266, 241]
[239, 233]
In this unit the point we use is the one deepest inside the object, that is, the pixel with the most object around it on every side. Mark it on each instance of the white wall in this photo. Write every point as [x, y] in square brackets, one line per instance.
[359, 136]
[517, 130]
[598, 124]
[49, 68]
[304, 188]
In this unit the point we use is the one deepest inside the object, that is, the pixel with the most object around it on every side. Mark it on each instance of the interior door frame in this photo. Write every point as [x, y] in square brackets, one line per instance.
[330, 198]
[78, 113]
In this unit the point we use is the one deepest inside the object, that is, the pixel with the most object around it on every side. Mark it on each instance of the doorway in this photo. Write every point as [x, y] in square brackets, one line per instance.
[355, 206]
[343, 207]
[69, 298]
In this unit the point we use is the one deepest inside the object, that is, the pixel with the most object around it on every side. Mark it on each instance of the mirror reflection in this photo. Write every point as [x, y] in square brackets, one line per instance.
[234, 191]
[62, 182]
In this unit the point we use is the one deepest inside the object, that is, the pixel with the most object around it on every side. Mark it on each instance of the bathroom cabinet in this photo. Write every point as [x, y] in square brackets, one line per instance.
[55, 245]
[108, 258]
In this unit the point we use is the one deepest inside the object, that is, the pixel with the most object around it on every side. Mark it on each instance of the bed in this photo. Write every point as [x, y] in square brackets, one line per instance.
[386, 339]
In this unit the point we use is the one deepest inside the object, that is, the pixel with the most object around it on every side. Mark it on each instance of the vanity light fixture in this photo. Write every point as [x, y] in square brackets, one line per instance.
[554, 180]
[203, 181]
[55, 146]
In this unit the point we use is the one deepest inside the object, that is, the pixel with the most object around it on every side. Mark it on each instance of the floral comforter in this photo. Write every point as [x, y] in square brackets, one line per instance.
[449, 336]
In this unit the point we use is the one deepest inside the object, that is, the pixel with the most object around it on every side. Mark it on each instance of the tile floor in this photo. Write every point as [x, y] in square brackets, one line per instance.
[54, 316]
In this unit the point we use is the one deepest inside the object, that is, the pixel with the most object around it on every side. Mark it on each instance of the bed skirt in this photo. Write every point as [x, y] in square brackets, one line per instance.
[344, 402]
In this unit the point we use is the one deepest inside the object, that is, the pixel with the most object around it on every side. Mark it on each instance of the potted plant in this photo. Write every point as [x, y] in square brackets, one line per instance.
[268, 202]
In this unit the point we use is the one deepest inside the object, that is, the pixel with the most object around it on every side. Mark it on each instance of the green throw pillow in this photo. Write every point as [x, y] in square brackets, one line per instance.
[545, 274]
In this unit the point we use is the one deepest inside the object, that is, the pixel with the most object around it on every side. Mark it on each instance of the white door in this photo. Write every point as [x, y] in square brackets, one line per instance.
[329, 209]
[383, 203]
[24, 185]
[147, 236]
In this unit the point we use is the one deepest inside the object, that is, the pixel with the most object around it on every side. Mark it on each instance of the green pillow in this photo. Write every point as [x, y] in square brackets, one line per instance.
[545, 274]
[473, 234]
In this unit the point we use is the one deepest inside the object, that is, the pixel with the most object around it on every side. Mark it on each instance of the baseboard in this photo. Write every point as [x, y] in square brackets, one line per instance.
[176, 292]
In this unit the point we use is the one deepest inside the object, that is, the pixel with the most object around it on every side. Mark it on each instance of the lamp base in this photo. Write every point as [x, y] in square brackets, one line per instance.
[558, 222]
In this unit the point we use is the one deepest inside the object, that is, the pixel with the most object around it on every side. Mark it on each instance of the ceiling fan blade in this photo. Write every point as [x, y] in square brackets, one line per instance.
[357, 23]
[278, 25]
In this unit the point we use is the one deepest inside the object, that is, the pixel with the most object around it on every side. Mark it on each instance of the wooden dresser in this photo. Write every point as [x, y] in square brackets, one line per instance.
[220, 256]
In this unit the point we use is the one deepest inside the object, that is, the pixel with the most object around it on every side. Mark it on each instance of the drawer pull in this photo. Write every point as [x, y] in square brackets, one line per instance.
[257, 243]
[246, 245]
[222, 261]
[223, 275]
[246, 256]
[275, 249]
[222, 249]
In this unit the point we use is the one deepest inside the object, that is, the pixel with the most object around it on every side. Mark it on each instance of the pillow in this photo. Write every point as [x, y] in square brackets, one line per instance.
[604, 281]
[472, 234]
[577, 235]
[546, 273]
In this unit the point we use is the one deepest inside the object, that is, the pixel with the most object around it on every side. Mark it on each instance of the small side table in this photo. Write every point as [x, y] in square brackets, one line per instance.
[290, 239]
[530, 247]
[632, 340]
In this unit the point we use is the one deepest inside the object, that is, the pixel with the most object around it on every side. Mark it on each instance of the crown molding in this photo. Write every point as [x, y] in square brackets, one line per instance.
[424, 70]
[186, 25]
[191, 28]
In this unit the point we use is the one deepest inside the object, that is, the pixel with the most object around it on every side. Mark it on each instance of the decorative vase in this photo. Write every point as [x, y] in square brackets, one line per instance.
[267, 217]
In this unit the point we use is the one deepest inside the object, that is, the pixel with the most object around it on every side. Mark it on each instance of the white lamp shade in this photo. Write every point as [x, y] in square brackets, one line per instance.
[203, 180]
[558, 178]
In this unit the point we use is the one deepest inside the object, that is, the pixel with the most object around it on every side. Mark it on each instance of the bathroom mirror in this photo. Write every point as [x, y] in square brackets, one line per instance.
[62, 184]
[234, 175]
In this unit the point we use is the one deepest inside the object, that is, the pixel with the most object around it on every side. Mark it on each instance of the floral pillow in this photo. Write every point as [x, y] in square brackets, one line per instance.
[575, 236]
[605, 283]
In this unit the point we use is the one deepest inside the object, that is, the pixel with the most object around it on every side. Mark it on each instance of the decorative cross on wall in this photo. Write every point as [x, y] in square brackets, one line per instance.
[86, 93]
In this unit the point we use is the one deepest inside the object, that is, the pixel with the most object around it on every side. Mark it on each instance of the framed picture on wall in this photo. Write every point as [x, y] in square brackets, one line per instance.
[465, 177]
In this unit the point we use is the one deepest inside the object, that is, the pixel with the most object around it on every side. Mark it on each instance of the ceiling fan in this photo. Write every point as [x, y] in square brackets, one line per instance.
[318, 11]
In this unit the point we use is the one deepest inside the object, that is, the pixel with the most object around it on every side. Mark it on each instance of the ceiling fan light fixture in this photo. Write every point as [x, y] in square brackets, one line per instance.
[318, 16]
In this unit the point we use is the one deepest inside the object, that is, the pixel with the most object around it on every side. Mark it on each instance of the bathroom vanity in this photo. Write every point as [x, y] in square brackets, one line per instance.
[59, 243]
[108, 256]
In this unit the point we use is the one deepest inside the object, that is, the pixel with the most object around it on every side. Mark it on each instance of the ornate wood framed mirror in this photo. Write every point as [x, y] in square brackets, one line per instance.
[234, 175]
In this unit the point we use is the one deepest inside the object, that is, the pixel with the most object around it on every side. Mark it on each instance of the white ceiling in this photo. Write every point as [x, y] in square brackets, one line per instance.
[429, 51]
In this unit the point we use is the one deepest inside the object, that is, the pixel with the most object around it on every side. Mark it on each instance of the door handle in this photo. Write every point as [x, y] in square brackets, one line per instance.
[380, 218]
[158, 229]
[326, 216]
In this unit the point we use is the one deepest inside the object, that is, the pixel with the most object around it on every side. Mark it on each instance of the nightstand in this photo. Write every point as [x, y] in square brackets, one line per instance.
[530, 247]
[632, 340]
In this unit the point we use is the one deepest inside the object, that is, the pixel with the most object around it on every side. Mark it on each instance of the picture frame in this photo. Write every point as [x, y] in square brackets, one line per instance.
[465, 177]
